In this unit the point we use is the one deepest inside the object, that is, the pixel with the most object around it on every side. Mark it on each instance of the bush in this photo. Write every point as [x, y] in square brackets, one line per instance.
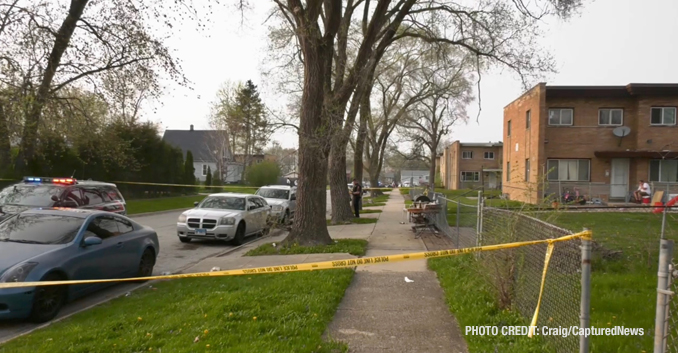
[208, 179]
[263, 173]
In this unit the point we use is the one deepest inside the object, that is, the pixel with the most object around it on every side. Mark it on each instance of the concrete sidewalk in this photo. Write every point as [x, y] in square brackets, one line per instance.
[381, 311]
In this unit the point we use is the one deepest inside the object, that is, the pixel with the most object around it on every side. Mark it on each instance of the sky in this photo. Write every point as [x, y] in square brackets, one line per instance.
[611, 42]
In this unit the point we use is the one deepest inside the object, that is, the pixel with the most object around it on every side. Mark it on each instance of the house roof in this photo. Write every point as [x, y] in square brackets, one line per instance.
[199, 142]
[631, 89]
[481, 144]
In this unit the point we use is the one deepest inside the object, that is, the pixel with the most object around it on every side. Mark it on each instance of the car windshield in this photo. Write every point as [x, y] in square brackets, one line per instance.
[274, 193]
[29, 195]
[223, 203]
[40, 229]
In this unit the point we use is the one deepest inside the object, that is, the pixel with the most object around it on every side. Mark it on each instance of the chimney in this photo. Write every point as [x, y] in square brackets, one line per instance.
[191, 127]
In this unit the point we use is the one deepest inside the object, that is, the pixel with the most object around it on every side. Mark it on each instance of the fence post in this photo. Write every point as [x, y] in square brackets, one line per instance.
[665, 256]
[458, 203]
[585, 305]
[478, 217]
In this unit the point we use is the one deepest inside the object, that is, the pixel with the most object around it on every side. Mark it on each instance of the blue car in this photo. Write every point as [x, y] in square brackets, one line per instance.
[67, 244]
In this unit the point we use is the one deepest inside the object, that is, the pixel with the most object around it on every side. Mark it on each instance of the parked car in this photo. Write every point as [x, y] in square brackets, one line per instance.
[67, 244]
[35, 192]
[224, 216]
[282, 199]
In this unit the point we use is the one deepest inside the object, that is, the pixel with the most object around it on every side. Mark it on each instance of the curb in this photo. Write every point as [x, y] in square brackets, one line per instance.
[220, 254]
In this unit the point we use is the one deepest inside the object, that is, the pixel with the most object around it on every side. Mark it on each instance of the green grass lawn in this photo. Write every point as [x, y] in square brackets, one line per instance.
[260, 313]
[356, 247]
[171, 203]
[162, 204]
[356, 221]
[370, 211]
[472, 301]
[623, 287]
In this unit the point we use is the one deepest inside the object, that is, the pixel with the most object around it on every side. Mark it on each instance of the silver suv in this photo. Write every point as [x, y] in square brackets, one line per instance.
[282, 199]
[224, 216]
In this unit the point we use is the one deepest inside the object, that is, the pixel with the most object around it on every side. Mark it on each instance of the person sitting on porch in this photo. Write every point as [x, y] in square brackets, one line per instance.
[643, 190]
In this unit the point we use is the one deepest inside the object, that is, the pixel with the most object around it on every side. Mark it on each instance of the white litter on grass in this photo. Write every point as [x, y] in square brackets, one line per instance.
[215, 269]
[197, 338]
[128, 294]
[273, 244]
[408, 280]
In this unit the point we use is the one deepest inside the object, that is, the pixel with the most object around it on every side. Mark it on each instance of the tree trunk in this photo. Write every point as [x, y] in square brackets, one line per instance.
[432, 171]
[5, 147]
[360, 139]
[310, 225]
[32, 120]
[341, 201]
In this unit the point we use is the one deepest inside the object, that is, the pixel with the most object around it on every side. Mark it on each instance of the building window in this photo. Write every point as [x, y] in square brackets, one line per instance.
[467, 154]
[508, 171]
[489, 155]
[665, 171]
[612, 117]
[470, 176]
[528, 119]
[508, 129]
[527, 170]
[204, 169]
[663, 116]
[568, 169]
[560, 117]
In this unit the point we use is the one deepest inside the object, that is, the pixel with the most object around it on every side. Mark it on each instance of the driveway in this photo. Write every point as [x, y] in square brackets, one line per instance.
[174, 256]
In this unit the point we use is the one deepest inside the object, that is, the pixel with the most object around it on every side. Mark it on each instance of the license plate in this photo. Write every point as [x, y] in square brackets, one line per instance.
[200, 232]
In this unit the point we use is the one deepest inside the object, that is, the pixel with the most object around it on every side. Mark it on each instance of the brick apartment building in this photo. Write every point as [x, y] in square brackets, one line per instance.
[563, 138]
[471, 165]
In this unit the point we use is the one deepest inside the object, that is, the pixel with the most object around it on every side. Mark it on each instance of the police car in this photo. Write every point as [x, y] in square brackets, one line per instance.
[43, 192]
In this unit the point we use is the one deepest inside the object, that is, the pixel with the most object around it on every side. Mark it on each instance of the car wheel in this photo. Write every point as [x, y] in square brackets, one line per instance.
[146, 264]
[286, 218]
[185, 239]
[239, 234]
[48, 300]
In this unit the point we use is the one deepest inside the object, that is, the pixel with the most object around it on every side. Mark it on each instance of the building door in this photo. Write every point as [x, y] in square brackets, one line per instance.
[492, 180]
[619, 179]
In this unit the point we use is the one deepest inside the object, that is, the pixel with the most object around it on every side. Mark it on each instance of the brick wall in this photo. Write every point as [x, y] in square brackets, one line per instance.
[524, 143]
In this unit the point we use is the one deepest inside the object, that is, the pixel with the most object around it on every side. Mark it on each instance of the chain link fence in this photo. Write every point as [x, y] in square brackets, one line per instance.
[671, 324]
[516, 273]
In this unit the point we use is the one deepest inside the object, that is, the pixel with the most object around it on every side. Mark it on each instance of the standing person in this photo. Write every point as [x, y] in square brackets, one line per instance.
[357, 195]
[643, 190]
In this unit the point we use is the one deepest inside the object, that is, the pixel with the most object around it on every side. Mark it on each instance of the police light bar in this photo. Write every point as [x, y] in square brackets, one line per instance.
[68, 181]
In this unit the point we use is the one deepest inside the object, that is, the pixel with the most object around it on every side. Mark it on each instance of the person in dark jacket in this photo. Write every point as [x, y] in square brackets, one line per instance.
[357, 193]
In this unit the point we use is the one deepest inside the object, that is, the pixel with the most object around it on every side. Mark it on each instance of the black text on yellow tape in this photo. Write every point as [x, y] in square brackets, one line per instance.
[375, 260]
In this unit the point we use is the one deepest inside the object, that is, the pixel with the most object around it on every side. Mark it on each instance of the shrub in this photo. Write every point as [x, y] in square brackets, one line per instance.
[263, 173]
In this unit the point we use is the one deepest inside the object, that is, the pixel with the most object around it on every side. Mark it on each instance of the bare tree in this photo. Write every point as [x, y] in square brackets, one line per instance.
[432, 118]
[57, 44]
[495, 32]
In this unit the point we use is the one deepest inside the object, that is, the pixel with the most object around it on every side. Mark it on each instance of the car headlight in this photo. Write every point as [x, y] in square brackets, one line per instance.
[277, 208]
[18, 273]
[182, 218]
[227, 221]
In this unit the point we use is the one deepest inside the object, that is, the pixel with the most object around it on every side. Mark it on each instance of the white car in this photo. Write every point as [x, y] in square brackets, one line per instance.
[282, 199]
[224, 216]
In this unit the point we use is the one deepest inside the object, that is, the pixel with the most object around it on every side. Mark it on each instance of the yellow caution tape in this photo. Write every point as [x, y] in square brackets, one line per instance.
[547, 260]
[375, 260]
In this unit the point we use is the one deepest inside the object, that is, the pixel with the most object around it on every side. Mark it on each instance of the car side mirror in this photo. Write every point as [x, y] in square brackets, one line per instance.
[293, 197]
[89, 241]
[250, 208]
[196, 203]
[55, 198]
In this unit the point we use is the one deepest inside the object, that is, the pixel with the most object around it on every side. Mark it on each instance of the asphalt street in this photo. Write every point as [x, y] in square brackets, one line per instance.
[174, 256]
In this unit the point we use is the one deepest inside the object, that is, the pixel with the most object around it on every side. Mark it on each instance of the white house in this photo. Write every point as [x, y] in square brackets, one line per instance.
[210, 149]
